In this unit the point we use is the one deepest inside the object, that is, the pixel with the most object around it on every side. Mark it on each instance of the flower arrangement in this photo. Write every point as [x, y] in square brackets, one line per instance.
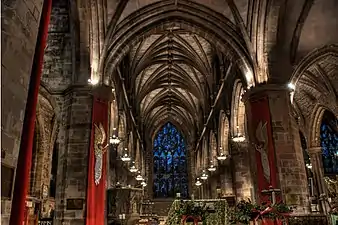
[246, 211]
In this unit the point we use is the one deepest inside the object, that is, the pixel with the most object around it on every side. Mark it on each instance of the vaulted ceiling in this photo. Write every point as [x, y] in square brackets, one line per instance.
[171, 77]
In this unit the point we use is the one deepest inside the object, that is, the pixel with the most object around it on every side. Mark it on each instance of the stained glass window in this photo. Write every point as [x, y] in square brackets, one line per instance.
[329, 143]
[170, 163]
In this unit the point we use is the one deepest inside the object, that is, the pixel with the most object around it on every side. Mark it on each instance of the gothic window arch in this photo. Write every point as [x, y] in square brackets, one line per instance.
[213, 147]
[170, 163]
[237, 111]
[205, 153]
[329, 143]
[113, 117]
[223, 135]
[122, 131]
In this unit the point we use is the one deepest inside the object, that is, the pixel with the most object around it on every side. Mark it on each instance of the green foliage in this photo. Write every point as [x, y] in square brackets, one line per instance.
[190, 208]
[334, 206]
[220, 215]
[245, 211]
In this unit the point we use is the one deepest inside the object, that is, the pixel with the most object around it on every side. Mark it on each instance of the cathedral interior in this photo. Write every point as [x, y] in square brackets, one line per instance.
[112, 109]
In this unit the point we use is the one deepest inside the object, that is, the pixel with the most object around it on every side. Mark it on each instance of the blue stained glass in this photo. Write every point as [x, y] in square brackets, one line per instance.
[170, 168]
[329, 143]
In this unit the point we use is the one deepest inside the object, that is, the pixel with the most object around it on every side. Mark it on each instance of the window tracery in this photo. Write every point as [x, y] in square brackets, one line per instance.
[329, 143]
[170, 163]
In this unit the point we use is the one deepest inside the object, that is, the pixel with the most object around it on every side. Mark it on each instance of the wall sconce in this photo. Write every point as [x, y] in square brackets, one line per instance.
[139, 177]
[125, 157]
[204, 175]
[133, 168]
[239, 137]
[221, 156]
[212, 168]
[198, 182]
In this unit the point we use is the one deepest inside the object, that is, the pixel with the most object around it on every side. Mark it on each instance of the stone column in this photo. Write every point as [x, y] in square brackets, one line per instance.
[315, 154]
[242, 174]
[74, 141]
[271, 104]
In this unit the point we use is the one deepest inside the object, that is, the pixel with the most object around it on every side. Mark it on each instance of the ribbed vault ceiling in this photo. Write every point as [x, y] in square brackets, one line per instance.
[172, 79]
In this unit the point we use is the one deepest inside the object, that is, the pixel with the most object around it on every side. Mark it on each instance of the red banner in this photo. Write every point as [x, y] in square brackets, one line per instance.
[263, 143]
[96, 192]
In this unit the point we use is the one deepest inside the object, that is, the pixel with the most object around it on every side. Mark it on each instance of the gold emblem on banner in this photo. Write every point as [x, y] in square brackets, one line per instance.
[262, 147]
[99, 150]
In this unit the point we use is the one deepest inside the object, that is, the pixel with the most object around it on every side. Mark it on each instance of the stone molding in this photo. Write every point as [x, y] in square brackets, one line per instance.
[314, 150]
[263, 90]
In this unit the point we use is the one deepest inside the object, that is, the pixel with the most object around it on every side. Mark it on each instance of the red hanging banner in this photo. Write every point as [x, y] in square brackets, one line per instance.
[97, 164]
[263, 145]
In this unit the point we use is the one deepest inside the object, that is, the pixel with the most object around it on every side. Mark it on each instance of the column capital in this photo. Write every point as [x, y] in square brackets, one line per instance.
[264, 90]
[103, 92]
[314, 150]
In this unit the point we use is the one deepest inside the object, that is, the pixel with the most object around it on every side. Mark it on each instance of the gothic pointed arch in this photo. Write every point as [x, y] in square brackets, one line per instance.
[113, 117]
[223, 133]
[137, 155]
[205, 153]
[170, 174]
[122, 130]
[237, 110]
[213, 147]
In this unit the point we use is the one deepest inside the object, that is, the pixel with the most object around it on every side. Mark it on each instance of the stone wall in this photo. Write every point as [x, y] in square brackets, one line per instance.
[74, 141]
[58, 67]
[19, 29]
[244, 172]
[290, 161]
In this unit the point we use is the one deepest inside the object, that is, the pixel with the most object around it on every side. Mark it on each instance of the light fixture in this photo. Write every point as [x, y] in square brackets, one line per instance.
[143, 184]
[125, 157]
[221, 156]
[93, 81]
[139, 176]
[204, 175]
[133, 168]
[198, 182]
[212, 168]
[114, 140]
[291, 86]
[239, 137]
[309, 165]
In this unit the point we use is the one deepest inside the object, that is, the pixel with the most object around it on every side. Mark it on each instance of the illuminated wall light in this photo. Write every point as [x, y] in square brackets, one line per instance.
[93, 81]
[249, 77]
[291, 86]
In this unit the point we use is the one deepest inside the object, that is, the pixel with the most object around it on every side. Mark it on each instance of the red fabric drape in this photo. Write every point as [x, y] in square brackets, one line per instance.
[27, 137]
[260, 111]
[96, 193]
